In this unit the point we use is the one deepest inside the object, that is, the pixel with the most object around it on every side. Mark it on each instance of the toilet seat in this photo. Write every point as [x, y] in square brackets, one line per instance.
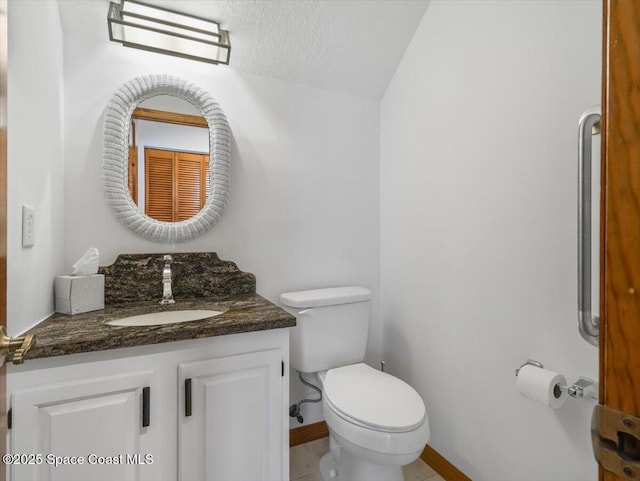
[373, 399]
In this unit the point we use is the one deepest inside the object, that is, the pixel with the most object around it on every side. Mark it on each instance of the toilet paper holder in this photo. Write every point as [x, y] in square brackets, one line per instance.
[583, 388]
[530, 362]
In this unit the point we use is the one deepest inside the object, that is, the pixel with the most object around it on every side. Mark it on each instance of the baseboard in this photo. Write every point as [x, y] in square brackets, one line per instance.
[433, 458]
[307, 433]
[443, 467]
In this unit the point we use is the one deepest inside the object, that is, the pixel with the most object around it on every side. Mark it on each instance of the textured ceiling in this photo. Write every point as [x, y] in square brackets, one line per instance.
[350, 46]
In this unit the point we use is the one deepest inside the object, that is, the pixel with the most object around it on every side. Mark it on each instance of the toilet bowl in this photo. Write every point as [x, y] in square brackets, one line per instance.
[377, 424]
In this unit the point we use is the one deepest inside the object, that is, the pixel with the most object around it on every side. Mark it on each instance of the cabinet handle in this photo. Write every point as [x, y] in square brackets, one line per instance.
[187, 397]
[146, 406]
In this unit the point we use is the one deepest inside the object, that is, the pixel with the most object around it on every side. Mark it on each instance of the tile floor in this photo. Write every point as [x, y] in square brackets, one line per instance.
[304, 460]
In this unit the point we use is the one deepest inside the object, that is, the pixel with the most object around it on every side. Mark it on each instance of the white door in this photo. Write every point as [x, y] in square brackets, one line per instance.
[86, 429]
[231, 418]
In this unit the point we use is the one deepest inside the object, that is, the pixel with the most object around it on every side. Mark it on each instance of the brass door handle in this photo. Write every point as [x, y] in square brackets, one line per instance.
[14, 349]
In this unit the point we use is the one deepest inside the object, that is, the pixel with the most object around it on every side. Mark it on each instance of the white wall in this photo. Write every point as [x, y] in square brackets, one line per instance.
[304, 201]
[478, 222]
[35, 161]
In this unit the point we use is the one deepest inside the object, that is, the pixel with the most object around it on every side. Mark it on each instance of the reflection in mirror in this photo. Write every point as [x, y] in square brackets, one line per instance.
[168, 158]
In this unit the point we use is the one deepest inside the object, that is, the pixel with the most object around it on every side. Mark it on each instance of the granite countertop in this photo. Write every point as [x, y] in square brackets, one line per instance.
[63, 334]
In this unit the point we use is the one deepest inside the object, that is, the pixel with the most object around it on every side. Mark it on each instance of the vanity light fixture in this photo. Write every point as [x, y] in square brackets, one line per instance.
[157, 29]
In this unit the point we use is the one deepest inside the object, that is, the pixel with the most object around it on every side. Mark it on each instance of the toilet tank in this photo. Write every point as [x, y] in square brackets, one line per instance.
[331, 329]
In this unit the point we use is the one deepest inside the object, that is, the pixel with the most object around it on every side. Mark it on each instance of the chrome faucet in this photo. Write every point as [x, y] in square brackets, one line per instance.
[167, 296]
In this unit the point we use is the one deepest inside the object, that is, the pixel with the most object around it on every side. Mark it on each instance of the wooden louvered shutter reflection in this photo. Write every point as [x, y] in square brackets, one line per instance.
[207, 179]
[177, 184]
[190, 185]
[159, 184]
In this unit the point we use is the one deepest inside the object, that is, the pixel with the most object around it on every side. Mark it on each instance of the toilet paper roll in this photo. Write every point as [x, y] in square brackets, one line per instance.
[542, 385]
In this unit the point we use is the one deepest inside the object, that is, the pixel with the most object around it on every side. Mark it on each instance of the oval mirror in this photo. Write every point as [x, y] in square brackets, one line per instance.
[166, 158]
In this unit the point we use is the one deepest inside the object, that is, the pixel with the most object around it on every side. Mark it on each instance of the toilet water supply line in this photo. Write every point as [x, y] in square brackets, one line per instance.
[294, 409]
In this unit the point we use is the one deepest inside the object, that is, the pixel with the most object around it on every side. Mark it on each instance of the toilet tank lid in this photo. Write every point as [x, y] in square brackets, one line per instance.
[330, 296]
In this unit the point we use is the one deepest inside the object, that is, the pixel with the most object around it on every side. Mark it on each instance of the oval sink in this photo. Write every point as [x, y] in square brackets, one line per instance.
[167, 317]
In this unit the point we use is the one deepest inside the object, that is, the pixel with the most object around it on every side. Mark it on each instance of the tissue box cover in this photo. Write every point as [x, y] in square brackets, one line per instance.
[77, 294]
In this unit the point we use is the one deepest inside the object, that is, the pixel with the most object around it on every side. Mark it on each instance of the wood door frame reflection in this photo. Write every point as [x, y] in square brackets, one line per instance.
[169, 117]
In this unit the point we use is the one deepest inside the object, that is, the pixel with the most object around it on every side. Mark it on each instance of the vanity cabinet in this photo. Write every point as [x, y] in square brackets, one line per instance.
[94, 403]
[83, 429]
[231, 418]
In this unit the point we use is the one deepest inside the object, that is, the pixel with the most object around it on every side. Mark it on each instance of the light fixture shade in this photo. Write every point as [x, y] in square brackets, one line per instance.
[156, 29]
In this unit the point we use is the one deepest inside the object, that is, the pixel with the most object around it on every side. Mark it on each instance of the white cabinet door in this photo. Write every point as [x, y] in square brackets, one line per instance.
[97, 422]
[233, 429]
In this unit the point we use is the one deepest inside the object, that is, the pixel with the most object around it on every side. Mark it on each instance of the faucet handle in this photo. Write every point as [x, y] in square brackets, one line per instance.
[168, 258]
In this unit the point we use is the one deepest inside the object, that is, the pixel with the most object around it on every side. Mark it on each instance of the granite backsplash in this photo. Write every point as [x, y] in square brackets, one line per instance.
[138, 277]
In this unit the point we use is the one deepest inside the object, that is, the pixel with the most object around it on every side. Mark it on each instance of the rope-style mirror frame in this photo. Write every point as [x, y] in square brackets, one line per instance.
[116, 153]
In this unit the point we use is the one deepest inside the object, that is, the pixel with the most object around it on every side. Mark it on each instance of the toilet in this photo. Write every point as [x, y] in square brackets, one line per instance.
[377, 422]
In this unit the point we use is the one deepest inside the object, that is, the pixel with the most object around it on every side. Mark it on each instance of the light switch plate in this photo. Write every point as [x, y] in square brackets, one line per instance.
[28, 226]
